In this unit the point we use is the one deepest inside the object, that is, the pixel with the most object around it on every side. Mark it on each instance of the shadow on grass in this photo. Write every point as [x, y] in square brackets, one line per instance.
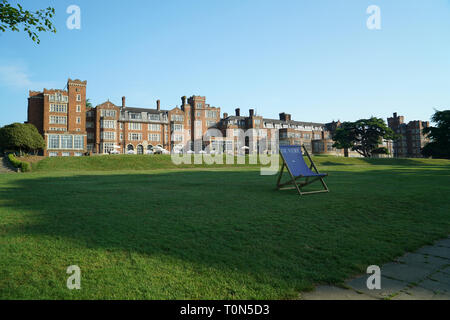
[237, 220]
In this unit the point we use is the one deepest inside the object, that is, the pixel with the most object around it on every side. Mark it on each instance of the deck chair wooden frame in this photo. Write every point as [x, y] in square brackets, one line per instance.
[295, 181]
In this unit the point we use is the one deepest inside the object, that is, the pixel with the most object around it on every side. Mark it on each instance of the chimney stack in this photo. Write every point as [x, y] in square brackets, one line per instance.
[158, 105]
[395, 114]
[123, 102]
[183, 100]
[238, 112]
[225, 115]
[285, 117]
[251, 112]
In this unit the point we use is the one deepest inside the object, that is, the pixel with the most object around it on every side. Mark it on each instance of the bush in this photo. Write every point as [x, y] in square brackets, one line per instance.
[24, 166]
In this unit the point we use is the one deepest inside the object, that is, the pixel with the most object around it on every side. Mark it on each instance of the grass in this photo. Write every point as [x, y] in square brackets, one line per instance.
[141, 228]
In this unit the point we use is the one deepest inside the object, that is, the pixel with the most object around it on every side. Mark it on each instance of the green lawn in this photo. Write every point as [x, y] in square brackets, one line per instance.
[208, 232]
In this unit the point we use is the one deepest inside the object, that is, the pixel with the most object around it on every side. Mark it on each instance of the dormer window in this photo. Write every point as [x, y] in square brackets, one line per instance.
[134, 115]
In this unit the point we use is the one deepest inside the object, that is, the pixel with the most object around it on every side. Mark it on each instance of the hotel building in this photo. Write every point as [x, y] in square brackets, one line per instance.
[71, 129]
[411, 140]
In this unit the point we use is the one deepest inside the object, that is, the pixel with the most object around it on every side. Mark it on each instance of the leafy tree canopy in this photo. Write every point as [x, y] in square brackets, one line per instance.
[439, 147]
[21, 137]
[14, 17]
[363, 136]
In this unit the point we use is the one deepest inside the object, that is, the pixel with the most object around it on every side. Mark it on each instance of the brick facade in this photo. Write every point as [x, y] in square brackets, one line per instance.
[411, 140]
[59, 115]
[71, 129]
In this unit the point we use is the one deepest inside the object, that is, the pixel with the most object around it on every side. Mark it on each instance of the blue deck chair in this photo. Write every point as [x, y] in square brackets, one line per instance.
[297, 168]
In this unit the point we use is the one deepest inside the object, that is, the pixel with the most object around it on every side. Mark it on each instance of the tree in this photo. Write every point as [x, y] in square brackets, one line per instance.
[32, 22]
[21, 137]
[88, 103]
[363, 136]
[439, 147]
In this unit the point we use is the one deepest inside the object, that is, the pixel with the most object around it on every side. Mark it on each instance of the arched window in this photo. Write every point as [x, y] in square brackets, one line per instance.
[130, 147]
[140, 149]
[149, 147]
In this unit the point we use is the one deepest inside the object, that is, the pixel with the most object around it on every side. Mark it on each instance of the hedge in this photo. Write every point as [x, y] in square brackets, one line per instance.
[24, 166]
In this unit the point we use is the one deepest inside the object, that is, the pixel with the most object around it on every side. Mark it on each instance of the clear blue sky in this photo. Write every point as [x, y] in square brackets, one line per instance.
[314, 59]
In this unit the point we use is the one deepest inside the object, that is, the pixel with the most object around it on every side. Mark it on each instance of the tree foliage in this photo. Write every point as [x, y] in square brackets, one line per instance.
[439, 147]
[13, 18]
[21, 137]
[88, 103]
[363, 136]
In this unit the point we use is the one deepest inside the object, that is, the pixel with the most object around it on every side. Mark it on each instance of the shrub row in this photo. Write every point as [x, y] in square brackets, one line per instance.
[24, 166]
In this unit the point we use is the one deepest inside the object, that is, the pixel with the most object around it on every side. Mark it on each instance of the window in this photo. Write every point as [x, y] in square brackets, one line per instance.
[154, 137]
[108, 124]
[89, 124]
[58, 129]
[135, 136]
[78, 120]
[108, 147]
[199, 114]
[78, 142]
[58, 120]
[90, 147]
[154, 117]
[178, 138]
[121, 136]
[121, 125]
[78, 108]
[78, 97]
[58, 97]
[53, 141]
[53, 154]
[108, 113]
[108, 135]
[140, 149]
[199, 105]
[134, 126]
[66, 142]
[217, 145]
[178, 127]
[177, 117]
[135, 115]
[210, 123]
[257, 122]
[58, 108]
[317, 136]
[154, 127]
[66, 154]
[77, 154]
[211, 114]
[90, 135]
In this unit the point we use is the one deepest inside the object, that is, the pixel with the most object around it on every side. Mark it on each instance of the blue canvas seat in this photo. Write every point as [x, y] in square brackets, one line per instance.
[297, 168]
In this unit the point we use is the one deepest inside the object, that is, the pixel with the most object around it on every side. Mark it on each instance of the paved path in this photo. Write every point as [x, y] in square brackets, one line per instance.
[421, 275]
[5, 167]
